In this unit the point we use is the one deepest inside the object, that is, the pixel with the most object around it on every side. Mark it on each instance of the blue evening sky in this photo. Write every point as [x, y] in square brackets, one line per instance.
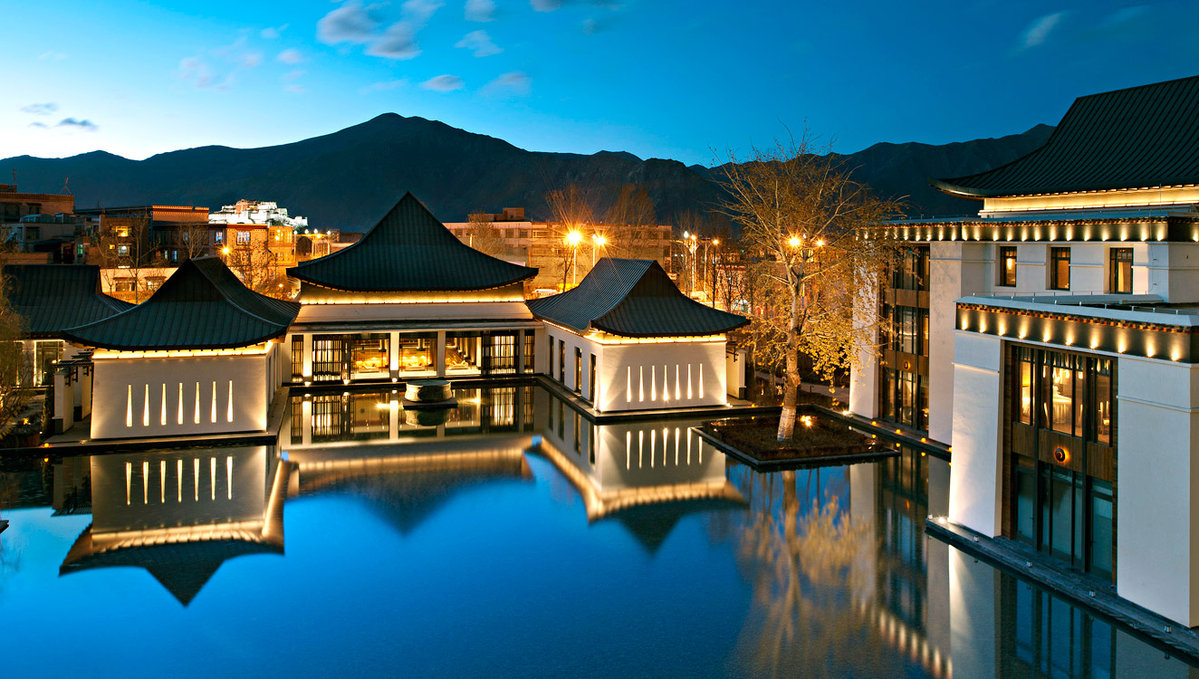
[658, 78]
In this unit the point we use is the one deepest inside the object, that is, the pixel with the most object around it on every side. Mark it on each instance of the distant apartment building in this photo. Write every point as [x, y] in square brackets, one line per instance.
[41, 224]
[563, 255]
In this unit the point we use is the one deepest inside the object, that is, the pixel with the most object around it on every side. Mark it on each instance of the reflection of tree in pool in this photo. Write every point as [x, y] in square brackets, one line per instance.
[809, 571]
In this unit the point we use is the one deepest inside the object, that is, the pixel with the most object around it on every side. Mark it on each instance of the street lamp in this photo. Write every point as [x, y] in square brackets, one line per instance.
[715, 242]
[573, 238]
[597, 241]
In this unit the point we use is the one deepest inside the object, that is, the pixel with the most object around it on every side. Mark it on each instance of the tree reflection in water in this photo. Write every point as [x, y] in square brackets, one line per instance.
[811, 570]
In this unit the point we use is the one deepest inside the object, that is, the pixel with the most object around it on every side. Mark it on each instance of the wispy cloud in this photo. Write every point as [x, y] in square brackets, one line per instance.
[294, 74]
[75, 123]
[40, 109]
[353, 23]
[479, 43]
[480, 10]
[515, 83]
[273, 32]
[1039, 30]
[443, 83]
[295, 88]
[290, 56]
[195, 71]
[384, 86]
[398, 42]
[545, 5]
[52, 56]
[350, 23]
[250, 59]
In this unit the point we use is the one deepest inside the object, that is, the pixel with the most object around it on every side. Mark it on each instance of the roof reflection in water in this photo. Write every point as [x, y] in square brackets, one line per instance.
[178, 514]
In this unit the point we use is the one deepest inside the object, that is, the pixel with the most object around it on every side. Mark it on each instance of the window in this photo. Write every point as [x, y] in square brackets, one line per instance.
[218, 236]
[911, 269]
[1007, 266]
[530, 343]
[416, 352]
[243, 237]
[1120, 271]
[578, 370]
[123, 250]
[550, 364]
[499, 352]
[297, 358]
[591, 381]
[463, 352]
[562, 361]
[1059, 268]
[369, 356]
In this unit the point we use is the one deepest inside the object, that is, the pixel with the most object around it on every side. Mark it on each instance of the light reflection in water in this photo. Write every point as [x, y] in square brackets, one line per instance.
[826, 572]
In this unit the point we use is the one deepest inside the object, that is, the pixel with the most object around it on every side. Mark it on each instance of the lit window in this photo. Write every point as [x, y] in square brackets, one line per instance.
[1120, 273]
[1007, 266]
[1059, 268]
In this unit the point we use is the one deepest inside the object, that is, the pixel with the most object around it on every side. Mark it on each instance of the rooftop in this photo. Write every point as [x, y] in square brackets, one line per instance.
[1139, 137]
[632, 298]
[409, 250]
[54, 297]
[201, 306]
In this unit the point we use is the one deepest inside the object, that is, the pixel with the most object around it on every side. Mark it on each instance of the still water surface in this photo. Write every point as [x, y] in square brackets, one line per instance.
[509, 537]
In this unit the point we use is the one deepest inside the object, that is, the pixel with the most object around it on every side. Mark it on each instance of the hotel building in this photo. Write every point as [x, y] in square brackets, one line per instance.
[1051, 341]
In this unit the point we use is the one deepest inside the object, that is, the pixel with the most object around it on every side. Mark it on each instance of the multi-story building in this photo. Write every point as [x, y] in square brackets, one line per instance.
[562, 255]
[1052, 342]
[14, 205]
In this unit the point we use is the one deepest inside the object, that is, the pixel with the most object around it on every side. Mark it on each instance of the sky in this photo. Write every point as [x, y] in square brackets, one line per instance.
[688, 80]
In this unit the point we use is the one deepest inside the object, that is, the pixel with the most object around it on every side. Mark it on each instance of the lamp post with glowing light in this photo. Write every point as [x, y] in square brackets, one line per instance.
[690, 243]
[573, 238]
[597, 241]
[714, 244]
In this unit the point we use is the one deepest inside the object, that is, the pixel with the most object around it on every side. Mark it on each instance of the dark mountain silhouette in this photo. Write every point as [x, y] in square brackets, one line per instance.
[350, 178]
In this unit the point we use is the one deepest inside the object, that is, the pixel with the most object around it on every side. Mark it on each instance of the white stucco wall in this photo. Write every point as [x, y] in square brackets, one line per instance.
[974, 484]
[1172, 271]
[864, 378]
[955, 270]
[128, 396]
[1157, 490]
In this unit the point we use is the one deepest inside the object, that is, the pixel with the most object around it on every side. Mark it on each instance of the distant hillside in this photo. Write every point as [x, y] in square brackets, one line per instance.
[349, 178]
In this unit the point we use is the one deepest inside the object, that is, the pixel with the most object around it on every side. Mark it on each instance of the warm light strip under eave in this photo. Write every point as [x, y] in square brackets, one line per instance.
[601, 337]
[450, 300]
[1104, 198]
[257, 350]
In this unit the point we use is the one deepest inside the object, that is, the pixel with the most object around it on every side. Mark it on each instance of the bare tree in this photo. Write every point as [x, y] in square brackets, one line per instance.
[15, 371]
[801, 213]
[573, 211]
[484, 236]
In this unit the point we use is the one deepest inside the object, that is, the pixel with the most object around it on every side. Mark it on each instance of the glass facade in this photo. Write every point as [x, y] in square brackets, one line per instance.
[369, 357]
[416, 353]
[903, 387]
[1061, 456]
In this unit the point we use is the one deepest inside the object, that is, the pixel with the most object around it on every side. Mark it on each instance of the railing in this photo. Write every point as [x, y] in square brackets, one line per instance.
[1055, 295]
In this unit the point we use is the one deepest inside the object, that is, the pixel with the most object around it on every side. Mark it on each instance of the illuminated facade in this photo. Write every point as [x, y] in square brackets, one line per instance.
[626, 339]
[407, 301]
[201, 356]
[1061, 345]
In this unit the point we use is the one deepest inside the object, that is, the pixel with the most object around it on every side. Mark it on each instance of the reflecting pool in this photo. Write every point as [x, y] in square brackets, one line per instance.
[509, 536]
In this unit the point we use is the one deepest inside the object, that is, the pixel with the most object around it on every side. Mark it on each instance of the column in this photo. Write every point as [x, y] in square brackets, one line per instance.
[307, 366]
[439, 353]
[393, 353]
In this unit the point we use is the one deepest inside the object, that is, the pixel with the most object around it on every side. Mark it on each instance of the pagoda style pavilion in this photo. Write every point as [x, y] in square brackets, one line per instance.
[199, 357]
[410, 300]
[647, 345]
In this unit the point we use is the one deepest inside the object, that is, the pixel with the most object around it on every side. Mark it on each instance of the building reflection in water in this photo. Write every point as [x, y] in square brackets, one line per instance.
[647, 475]
[178, 514]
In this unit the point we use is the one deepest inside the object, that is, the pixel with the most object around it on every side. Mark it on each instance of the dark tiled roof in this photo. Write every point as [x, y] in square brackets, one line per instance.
[202, 306]
[632, 298]
[53, 297]
[410, 251]
[1144, 136]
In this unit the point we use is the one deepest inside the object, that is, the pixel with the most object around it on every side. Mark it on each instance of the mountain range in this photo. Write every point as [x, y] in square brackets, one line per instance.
[348, 179]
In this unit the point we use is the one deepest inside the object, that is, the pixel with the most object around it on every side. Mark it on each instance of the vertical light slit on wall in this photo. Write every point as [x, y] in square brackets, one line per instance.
[212, 476]
[128, 480]
[162, 482]
[146, 406]
[641, 383]
[179, 418]
[162, 406]
[213, 414]
[701, 380]
[640, 448]
[665, 385]
[229, 477]
[688, 381]
[653, 383]
[699, 451]
[688, 446]
[129, 405]
[145, 483]
[196, 476]
[197, 413]
[628, 449]
[678, 387]
[229, 415]
[665, 442]
[676, 446]
[653, 447]
[179, 478]
[628, 381]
